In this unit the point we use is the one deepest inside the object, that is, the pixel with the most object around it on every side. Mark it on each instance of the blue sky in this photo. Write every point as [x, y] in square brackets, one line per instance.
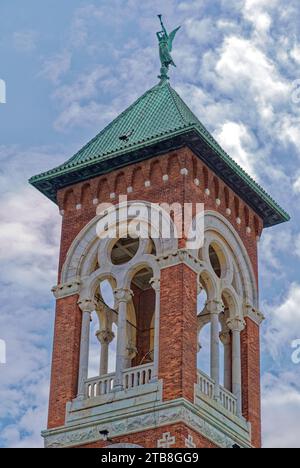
[71, 66]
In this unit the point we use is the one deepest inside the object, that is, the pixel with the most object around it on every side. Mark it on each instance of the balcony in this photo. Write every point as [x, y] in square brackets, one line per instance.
[206, 388]
[139, 405]
[132, 378]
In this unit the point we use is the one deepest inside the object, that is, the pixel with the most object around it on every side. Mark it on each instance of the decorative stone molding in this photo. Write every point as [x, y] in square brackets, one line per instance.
[215, 307]
[67, 289]
[218, 202]
[189, 442]
[78, 206]
[239, 221]
[87, 305]
[178, 257]
[220, 430]
[129, 189]
[112, 196]
[225, 338]
[197, 182]
[216, 222]
[228, 211]
[105, 336]
[95, 201]
[207, 192]
[165, 178]
[253, 314]
[184, 171]
[147, 184]
[123, 295]
[131, 350]
[166, 441]
[236, 324]
[155, 283]
[125, 446]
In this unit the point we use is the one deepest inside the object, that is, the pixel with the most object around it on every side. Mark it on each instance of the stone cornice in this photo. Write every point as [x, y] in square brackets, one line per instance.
[254, 314]
[67, 289]
[217, 431]
[178, 257]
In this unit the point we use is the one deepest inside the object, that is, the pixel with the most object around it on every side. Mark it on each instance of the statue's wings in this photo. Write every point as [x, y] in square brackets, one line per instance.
[172, 37]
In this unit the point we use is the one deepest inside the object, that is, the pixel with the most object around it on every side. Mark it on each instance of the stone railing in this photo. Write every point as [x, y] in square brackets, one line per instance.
[228, 400]
[99, 386]
[206, 387]
[206, 384]
[132, 378]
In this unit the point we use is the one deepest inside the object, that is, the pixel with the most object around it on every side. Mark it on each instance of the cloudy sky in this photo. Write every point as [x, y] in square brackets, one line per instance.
[70, 66]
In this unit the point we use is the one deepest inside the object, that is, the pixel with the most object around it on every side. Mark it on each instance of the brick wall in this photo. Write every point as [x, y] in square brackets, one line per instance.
[65, 359]
[178, 332]
[251, 379]
[178, 316]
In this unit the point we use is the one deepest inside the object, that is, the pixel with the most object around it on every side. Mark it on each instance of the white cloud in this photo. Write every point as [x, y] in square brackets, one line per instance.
[245, 67]
[84, 87]
[29, 240]
[55, 67]
[281, 410]
[255, 12]
[25, 41]
[295, 53]
[283, 323]
[236, 139]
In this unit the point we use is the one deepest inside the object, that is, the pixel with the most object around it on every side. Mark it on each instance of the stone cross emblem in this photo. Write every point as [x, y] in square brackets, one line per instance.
[166, 441]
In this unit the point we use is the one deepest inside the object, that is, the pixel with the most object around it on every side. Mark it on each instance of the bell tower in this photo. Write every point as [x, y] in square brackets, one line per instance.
[177, 327]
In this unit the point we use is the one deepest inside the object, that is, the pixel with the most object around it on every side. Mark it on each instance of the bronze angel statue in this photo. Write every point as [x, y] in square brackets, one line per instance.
[165, 48]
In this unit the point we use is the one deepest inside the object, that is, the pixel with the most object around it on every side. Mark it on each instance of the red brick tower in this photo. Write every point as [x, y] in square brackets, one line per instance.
[151, 390]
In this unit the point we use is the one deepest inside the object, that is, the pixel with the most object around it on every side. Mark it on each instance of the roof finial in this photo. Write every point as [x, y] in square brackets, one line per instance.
[165, 48]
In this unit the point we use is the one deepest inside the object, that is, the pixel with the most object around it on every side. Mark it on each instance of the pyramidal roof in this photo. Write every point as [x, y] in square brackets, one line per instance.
[157, 122]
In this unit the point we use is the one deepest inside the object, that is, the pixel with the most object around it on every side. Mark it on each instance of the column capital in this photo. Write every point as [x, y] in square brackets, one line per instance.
[155, 284]
[236, 324]
[131, 350]
[105, 336]
[225, 338]
[123, 295]
[215, 307]
[87, 305]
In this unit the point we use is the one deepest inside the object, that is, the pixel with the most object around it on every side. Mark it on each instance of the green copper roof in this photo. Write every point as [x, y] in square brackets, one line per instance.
[159, 120]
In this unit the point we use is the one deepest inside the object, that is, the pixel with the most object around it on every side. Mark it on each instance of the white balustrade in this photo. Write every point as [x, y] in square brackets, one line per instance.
[137, 376]
[228, 400]
[132, 378]
[99, 386]
[206, 386]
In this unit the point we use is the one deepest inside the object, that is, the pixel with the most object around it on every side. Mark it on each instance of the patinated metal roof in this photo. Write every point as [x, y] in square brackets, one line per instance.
[157, 122]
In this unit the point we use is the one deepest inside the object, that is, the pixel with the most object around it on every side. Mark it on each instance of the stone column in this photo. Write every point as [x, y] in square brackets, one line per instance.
[225, 338]
[236, 325]
[123, 297]
[155, 283]
[87, 306]
[215, 308]
[105, 337]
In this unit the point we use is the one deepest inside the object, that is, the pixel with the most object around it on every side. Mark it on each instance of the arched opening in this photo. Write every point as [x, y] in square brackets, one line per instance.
[103, 332]
[215, 260]
[144, 310]
[124, 250]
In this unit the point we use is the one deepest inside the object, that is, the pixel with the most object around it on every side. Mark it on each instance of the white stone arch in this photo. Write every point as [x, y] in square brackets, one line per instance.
[218, 227]
[209, 282]
[86, 245]
[233, 301]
